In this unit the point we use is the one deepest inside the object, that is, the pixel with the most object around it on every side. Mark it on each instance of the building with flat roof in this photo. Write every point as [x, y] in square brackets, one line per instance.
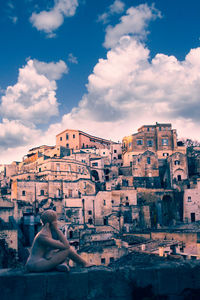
[76, 139]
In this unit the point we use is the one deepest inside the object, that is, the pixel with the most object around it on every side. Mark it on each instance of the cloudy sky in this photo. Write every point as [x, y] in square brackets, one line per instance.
[102, 66]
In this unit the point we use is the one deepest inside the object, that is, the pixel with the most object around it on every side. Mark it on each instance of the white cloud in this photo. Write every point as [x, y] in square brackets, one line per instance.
[116, 8]
[14, 133]
[49, 21]
[53, 71]
[128, 89]
[72, 59]
[135, 23]
[33, 97]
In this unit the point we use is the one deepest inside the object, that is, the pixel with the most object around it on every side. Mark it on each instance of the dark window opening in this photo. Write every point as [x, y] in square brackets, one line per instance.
[139, 142]
[103, 260]
[90, 221]
[179, 177]
[105, 221]
[192, 217]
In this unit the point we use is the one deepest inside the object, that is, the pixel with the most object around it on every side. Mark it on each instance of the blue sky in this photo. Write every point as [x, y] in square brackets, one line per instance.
[105, 67]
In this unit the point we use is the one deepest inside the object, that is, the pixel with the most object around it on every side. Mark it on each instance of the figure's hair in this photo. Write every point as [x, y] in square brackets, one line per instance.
[48, 216]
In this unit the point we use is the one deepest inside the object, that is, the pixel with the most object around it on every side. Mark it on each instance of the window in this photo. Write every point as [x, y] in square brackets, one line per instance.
[111, 259]
[115, 151]
[189, 199]
[104, 202]
[119, 156]
[152, 129]
[177, 162]
[129, 145]
[164, 142]
[159, 128]
[126, 197]
[127, 203]
[67, 145]
[39, 169]
[103, 260]
[67, 136]
[139, 142]
[61, 138]
[149, 160]
[104, 153]
[165, 154]
[147, 128]
[42, 192]
[138, 159]
[112, 201]
[70, 193]
[74, 136]
[23, 193]
[90, 221]
[149, 143]
[95, 164]
[89, 212]
[179, 177]
[58, 193]
[131, 163]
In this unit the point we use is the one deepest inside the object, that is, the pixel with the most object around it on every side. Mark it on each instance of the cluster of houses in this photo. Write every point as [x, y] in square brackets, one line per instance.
[102, 190]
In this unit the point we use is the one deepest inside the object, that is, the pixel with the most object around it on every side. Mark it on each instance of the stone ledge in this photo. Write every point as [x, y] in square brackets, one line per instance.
[171, 280]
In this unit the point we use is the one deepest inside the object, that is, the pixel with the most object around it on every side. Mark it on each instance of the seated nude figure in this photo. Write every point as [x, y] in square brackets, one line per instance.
[48, 253]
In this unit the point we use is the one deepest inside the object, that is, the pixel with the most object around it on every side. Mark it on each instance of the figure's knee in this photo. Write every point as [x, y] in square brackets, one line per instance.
[66, 251]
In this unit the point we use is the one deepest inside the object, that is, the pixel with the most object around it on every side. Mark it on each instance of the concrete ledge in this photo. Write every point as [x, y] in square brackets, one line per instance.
[171, 280]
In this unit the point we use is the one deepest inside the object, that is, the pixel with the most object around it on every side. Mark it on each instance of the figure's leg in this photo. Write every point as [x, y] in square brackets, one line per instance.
[77, 258]
[43, 264]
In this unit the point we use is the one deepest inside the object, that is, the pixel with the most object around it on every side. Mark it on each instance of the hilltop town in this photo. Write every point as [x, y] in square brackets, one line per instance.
[111, 198]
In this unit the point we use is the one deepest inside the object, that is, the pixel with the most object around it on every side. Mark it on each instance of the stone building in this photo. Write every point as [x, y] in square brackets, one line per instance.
[76, 139]
[116, 208]
[192, 204]
[178, 168]
[103, 252]
[145, 170]
[159, 207]
[159, 138]
[32, 195]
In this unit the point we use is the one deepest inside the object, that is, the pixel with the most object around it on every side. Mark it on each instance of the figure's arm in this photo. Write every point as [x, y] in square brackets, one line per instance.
[49, 242]
[60, 235]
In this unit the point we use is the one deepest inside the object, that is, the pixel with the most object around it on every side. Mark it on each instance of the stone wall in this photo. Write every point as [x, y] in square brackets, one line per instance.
[172, 280]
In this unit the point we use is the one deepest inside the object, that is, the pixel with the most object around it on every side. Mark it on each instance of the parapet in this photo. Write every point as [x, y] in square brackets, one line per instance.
[168, 280]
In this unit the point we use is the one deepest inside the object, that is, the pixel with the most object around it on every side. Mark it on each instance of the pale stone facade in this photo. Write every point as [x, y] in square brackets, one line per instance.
[102, 254]
[76, 139]
[159, 138]
[178, 167]
[192, 204]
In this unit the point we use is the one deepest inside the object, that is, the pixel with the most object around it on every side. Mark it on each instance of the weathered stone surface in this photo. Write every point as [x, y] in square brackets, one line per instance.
[167, 280]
